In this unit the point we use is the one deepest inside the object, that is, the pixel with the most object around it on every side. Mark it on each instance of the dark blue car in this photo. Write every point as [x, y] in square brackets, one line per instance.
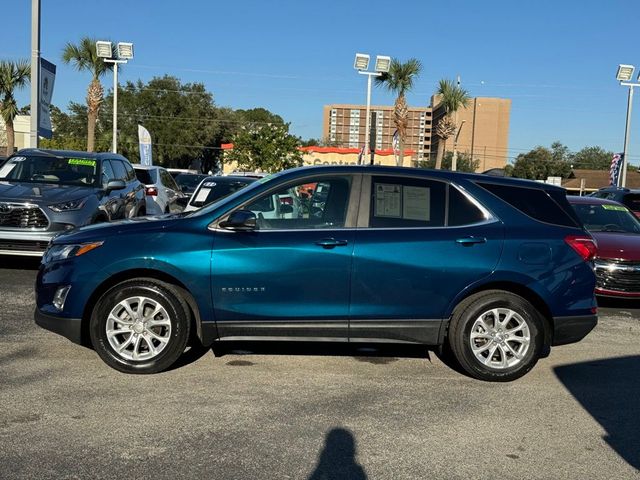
[497, 270]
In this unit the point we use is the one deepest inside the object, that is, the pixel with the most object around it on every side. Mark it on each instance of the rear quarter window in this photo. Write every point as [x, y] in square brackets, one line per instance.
[537, 203]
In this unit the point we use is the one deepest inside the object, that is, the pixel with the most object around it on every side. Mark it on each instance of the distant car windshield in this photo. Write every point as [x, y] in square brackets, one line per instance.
[607, 218]
[49, 169]
[189, 181]
[214, 190]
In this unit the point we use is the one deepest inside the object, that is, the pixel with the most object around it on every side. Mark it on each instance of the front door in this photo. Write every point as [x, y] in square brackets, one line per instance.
[291, 276]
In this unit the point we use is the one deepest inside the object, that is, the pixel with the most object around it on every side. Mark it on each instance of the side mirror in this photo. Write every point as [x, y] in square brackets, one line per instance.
[240, 221]
[116, 185]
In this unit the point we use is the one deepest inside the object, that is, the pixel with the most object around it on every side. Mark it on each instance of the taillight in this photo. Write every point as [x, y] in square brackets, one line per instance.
[583, 246]
[151, 191]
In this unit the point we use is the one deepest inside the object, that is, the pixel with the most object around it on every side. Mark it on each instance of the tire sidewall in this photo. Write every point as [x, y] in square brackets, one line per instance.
[157, 292]
[462, 341]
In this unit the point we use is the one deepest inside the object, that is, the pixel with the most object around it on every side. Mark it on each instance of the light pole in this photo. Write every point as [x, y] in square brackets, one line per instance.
[123, 53]
[361, 64]
[35, 74]
[624, 74]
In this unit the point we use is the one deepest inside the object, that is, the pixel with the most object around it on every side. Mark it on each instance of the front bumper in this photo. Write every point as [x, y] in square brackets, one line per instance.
[572, 329]
[25, 242]
[70, 328]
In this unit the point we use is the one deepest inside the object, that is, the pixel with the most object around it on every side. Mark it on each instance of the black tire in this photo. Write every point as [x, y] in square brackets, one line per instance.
[176, 331]
[469, 312]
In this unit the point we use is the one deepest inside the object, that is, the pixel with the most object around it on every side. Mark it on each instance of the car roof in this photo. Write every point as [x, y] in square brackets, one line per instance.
[69, 153]
[591, 201]
[412, 171]
[137, 166]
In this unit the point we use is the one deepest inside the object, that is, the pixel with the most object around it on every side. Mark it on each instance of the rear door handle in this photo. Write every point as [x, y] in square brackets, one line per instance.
[331, 243]
[469, 241]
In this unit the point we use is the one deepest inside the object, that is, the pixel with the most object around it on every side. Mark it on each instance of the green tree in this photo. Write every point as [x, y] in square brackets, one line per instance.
[464, 162]
[399, 80]
[452, 98]
[69, 129]
[268, 148]
[13, 76]
[259, 116]
[592, 158]
[560, 152]
[538, 164]
[84, 57]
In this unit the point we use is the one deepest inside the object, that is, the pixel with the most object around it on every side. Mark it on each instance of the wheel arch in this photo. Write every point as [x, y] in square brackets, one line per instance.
[119, 277]
[518, 289]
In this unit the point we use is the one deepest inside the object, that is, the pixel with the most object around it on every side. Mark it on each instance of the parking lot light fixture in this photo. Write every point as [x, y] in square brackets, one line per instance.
[124, 53]
[361, 64]
[624, 76]
[625, 73]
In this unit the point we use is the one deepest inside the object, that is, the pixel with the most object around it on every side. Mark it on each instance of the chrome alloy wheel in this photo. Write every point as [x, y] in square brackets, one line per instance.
[500, 338]
[138, 328]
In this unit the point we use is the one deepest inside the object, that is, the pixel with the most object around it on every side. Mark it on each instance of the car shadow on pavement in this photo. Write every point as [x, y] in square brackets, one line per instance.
[606, 302]
[19, 263]
[364, 352]
[609, 390]
[337, 460]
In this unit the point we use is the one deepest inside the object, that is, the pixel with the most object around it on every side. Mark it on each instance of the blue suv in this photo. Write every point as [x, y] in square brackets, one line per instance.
[496, 270]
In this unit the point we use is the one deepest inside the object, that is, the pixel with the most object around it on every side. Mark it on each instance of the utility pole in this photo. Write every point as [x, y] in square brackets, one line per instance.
[454, 157]
[35, 74]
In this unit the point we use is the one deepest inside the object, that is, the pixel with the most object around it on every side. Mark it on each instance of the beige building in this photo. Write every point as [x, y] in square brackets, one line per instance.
[484, 130]
[483, 127]
[22, 128]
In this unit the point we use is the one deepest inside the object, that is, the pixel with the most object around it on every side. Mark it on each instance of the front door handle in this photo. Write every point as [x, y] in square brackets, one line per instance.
[470, 241]
[331, 243]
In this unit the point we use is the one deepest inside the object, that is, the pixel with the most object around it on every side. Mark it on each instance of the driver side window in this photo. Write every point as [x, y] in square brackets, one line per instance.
[107, 173]
[309, 204]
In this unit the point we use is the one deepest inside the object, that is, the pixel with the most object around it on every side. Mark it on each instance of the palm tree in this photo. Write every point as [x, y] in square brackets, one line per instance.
[84, 57]
[452, 97]
[399, 80]
[13, 76]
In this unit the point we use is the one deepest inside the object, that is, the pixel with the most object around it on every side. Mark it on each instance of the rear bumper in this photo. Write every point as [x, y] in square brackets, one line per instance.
[70, 328]
[572, 329]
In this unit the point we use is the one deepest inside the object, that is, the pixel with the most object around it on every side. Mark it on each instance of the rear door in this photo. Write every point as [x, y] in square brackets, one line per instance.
[419, 243]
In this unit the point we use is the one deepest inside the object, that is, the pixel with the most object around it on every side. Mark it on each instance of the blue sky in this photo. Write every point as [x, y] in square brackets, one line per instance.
[556, 60]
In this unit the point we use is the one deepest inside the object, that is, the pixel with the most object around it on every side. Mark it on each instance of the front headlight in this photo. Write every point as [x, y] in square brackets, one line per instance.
[70, 205]
[62, 252]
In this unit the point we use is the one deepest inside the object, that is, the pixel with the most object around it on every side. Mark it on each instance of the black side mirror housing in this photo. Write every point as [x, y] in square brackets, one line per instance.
[240, 221]
[116, 185]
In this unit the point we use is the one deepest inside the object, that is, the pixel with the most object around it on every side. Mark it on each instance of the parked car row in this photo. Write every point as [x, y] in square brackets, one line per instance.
[46, 192]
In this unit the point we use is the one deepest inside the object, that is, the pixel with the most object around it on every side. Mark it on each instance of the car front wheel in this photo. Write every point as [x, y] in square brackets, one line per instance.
[496, 336]
[140, 326]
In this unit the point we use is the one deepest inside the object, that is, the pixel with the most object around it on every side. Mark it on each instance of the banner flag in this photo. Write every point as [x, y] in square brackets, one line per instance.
[47, 79]
[616, 166]
[144, 140]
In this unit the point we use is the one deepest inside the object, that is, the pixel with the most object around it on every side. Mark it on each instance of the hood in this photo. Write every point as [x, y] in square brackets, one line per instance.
[623, 246]
[100, 231]
[41, 193]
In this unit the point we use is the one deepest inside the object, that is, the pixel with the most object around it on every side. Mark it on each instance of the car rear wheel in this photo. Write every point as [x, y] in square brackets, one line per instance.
[496, 336]
[140, 326]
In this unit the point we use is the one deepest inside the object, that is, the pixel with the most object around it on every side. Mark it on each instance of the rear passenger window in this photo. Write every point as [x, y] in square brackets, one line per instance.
[462, 211]
[534, 202]
[407, 203]
[131, 174]
[120, 173]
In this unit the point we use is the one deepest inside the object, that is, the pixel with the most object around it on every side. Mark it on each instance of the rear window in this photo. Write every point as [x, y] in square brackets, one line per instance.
[213, 191]
[537, 203]
[145, 176]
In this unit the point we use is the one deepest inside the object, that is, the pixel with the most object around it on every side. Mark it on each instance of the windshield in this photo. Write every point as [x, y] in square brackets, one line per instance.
[46, 169]
[212, 191]
[607, 218]
[189, 180]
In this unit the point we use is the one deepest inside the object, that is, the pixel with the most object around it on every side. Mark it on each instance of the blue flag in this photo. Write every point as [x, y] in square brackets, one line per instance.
[144, 140]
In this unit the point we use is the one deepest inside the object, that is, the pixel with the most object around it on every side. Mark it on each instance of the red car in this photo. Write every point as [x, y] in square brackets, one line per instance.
[617, 233]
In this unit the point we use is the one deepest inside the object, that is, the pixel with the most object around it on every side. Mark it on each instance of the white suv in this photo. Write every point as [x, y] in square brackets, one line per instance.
[162, 193]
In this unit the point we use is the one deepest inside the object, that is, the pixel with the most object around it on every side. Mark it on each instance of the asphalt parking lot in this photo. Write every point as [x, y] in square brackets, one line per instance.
[313, 412]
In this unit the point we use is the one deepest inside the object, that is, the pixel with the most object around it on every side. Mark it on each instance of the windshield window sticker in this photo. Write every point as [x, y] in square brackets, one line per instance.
[388, 197]
[202, 195]
[618, 208]
[209, 184]
[82, 161]
[6, 169]
[416, 203]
